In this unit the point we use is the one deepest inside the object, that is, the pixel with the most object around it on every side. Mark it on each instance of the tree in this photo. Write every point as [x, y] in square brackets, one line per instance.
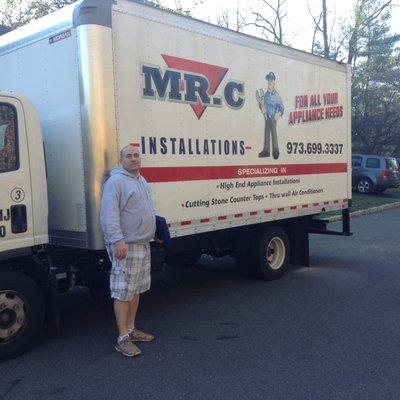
[224, 19]
[233, 18]
[376, 86]
[4, 29]
[271, 23]
[366, 13]
[15, 13]
[339, 41]
[326, 42]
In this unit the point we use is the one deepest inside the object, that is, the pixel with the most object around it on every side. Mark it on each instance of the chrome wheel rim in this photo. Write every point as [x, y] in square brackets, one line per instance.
[276, 253]
[363, 186]
[12, 314]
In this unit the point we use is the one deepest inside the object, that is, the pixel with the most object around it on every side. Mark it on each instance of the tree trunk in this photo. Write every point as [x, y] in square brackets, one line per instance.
[325, 29]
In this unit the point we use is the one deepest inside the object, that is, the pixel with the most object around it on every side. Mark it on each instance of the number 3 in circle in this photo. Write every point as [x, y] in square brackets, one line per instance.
[17, 195]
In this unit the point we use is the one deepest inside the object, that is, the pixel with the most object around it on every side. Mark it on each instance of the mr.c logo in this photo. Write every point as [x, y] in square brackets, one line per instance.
[190, 82]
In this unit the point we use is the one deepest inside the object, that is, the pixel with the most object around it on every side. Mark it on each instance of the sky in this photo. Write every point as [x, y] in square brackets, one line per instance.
[299, 24]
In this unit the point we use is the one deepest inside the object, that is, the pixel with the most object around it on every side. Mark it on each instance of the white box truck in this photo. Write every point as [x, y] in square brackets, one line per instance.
[243, 142]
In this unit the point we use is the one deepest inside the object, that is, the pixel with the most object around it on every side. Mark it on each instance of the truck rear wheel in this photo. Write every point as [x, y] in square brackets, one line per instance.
[270, 253]
[22, 311]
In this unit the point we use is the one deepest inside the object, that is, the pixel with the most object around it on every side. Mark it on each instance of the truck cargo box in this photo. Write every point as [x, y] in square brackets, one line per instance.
[198, 100]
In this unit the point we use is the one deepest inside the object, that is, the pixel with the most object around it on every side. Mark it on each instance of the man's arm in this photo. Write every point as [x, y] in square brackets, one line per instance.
[110, 220]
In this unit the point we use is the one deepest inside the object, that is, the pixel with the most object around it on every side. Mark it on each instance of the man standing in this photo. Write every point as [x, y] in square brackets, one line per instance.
[272, 108]
[128, 221]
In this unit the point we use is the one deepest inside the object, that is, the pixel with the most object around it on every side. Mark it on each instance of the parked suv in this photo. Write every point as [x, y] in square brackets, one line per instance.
[374, 173]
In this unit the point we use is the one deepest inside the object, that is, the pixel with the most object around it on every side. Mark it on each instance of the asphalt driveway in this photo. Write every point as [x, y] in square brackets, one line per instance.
[330, 331]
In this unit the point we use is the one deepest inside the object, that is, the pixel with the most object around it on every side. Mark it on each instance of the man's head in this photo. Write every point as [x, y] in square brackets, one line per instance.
[271, 81]
[129, 157]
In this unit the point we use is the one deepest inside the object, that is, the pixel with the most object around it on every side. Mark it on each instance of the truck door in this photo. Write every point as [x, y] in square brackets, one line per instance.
[16, 222]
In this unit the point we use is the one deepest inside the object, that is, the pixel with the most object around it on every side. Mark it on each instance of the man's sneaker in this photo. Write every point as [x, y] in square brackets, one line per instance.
[127, 348]
[138, 336]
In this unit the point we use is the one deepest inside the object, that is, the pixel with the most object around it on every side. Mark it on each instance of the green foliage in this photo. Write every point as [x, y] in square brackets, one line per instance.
[16, 13]
[376, 89]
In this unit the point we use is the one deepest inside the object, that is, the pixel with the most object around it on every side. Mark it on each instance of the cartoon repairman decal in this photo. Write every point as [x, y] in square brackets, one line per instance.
[272, 108]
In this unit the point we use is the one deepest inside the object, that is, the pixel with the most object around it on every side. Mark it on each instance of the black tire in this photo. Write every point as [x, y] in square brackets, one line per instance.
[270, 253]
[184, 259]
[364, 186]
[19, 328]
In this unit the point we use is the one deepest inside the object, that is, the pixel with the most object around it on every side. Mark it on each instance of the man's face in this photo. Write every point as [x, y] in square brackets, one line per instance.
[130, 159]
[271, 85]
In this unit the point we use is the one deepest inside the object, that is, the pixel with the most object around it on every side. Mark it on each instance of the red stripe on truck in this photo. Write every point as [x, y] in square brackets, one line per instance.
[197, 173]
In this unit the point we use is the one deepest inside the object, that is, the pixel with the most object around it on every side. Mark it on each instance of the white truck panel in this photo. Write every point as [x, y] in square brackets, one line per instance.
[91, 86]
[185, 184]
[47, 74]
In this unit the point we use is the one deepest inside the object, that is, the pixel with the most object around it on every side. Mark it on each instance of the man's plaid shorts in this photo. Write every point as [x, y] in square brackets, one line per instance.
[131, 275]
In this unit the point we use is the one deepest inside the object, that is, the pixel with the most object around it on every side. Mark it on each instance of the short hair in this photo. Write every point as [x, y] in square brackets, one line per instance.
[121, 152]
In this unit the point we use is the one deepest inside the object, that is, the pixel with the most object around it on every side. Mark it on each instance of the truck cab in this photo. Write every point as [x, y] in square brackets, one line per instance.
[23, 190]
[23, 222]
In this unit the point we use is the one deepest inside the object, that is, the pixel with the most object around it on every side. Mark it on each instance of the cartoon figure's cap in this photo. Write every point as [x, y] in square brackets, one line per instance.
[270, 76]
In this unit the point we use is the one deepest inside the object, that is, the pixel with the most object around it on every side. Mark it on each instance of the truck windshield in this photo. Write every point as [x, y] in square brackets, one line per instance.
[8, 138]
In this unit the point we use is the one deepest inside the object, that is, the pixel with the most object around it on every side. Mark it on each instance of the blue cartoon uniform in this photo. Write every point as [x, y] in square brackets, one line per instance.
[270, 104]
[273, 103]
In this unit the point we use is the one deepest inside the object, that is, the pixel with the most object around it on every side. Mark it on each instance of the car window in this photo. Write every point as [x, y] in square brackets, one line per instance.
[372, 163]
[8, 138]
[356, 161]
[391, 164]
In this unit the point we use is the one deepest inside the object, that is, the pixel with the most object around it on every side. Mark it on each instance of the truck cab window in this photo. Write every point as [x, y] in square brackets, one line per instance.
[8, 138]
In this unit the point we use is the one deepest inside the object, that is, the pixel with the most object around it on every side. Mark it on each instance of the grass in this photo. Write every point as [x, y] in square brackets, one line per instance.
[365, 201]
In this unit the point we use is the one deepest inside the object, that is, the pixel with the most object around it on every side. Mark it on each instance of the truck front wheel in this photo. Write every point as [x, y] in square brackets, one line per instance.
[271, 253]
[22, 311]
